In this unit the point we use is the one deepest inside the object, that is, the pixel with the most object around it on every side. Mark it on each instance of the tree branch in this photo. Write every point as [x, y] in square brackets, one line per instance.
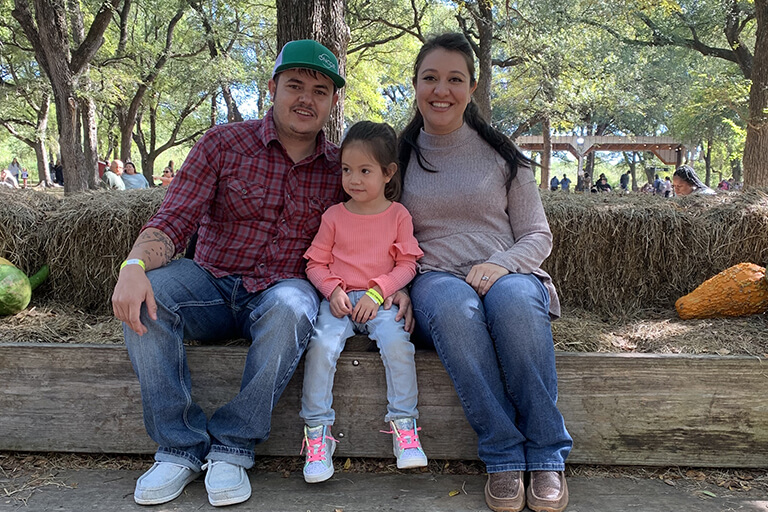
[92, 42]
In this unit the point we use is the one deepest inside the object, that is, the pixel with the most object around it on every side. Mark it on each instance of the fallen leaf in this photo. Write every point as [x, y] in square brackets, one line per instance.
[453, 493]
[709, 493]
[348, 463]
[669, 482]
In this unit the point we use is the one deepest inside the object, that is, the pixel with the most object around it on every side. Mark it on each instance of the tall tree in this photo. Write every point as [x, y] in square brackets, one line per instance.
[48, 31]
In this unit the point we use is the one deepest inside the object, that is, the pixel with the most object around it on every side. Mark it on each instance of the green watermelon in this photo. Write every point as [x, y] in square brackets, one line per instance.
[16, 288]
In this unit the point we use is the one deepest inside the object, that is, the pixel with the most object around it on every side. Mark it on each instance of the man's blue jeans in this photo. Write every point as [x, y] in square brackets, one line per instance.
[499, 354]
[192, 304]
[325, 346]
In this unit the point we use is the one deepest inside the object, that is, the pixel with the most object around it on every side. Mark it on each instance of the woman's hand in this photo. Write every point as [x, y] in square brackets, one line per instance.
[481, 277]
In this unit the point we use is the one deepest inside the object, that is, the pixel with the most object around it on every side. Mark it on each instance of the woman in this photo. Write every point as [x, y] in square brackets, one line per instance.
[166, 178]
[685, 181]
[132, 179]
[480, 297]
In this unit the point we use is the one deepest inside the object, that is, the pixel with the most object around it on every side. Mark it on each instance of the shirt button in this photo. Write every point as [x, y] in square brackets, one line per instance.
[274, 240]
[245, 191]
[261, 265]
[282, 221]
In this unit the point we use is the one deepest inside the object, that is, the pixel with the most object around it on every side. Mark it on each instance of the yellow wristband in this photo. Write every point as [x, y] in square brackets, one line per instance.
[376, 296]
[134, 261]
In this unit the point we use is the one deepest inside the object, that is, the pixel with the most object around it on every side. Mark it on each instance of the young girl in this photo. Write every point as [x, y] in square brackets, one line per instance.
[364, 252]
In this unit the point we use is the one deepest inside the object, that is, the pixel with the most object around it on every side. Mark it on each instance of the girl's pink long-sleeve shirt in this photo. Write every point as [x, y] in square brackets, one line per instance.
[358, 252]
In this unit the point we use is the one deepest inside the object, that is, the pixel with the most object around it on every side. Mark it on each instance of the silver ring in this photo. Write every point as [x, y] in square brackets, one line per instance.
[484, 278]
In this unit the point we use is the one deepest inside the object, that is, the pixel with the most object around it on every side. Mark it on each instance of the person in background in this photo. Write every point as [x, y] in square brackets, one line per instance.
[602, 184]
[58, 172]
[7, 179]
[166, 178]
[255, 192]
[133, 179]
[668, 188]
[554, 183]
[565, 183]
[624, 181]
[24, 177]
[480, 297]
[112, 178]
[685, 182]
[15, 169]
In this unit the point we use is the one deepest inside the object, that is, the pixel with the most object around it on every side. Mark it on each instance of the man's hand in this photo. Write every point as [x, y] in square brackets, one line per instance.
[365, 310]
[402, 300]
[340, 304]
[132, 290]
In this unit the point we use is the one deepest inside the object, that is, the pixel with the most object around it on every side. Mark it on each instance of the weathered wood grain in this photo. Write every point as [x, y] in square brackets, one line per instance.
[620, 408]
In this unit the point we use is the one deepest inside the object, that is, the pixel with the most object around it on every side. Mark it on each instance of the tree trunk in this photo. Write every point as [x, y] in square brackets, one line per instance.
[484, 24]
[756, 144]
[43, 171]
[546, 153]
[708, 162]
[323, 21]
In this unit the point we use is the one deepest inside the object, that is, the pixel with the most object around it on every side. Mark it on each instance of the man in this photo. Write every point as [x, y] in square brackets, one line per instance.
[624, 181]
[554, 183]
[112, 178]
[257, 190]
[565, 183]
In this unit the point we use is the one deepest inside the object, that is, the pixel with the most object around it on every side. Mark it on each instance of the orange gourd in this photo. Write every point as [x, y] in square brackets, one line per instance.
[740, 290]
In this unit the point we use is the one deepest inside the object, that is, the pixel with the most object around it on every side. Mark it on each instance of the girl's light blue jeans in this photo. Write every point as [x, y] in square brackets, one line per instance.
[192, 304]
[328, 341]
[499, 354]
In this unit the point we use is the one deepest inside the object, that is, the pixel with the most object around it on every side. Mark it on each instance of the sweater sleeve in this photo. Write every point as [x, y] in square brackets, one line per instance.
[533, 239]
[319, 258]
[405, 251]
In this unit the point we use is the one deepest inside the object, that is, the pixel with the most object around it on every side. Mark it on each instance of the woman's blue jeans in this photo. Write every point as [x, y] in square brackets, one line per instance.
[192, 304]
[499, 354]
[325, 347]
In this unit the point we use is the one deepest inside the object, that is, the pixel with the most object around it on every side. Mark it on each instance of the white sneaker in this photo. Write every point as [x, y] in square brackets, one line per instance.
[226, 483]
[163, 482]
[406, 444]
[320, 445]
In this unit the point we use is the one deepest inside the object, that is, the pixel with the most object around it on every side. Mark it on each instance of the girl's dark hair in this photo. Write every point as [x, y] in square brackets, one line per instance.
[687, 174]
[454, 42]
[381, 142]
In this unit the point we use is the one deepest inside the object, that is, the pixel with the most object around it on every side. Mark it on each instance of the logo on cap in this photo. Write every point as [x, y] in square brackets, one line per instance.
[327, 62]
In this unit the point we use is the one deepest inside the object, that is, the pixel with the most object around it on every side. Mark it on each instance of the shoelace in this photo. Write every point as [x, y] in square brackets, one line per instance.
[406, 438]
[316, 448]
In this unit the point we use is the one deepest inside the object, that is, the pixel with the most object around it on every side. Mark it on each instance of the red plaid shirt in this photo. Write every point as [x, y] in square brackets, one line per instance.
[257, 211]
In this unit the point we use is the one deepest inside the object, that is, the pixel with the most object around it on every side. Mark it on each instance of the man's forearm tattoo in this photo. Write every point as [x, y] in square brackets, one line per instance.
[156, 247]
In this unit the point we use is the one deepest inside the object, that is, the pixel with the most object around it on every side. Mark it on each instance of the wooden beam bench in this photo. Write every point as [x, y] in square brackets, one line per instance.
[625, 409]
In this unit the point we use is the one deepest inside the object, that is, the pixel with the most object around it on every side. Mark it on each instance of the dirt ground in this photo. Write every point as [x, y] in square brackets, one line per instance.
[22, 474]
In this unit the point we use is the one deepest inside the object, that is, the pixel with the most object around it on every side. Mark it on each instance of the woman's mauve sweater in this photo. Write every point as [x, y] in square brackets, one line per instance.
[464, 216]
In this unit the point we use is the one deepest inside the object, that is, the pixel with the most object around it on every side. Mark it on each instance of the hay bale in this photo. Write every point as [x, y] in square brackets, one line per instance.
[24, 226]
[90, 234]
[614, 254]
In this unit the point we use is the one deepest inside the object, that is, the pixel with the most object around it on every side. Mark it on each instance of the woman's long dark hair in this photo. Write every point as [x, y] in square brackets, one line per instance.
[687, 174]
[455, 42]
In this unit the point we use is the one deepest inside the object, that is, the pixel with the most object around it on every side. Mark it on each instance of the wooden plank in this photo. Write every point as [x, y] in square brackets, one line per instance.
[620, 408]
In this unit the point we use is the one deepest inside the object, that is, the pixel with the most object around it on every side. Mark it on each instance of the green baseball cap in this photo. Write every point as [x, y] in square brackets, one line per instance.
[309, 54]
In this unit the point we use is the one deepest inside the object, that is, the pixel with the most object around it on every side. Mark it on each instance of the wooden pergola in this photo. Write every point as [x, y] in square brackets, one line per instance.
[667, 149]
